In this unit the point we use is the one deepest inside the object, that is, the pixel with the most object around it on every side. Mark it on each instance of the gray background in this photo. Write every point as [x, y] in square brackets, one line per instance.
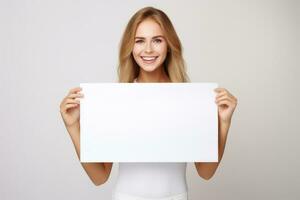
[249, 47]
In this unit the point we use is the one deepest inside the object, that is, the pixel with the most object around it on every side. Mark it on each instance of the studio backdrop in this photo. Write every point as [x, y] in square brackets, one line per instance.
[249, 47]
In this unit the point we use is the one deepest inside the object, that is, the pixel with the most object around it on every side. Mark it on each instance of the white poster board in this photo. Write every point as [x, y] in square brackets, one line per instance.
[148, 122]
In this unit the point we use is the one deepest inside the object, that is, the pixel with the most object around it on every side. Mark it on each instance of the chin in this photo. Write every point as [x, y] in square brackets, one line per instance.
[149, 68]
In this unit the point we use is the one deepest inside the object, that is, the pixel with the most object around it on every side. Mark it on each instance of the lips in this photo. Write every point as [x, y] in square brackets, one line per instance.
[149, 59]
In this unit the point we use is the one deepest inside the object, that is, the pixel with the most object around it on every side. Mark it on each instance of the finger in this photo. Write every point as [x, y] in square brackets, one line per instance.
[72, 96]
[234, 98]
[219, 89]
[230, 95]
[71, 106]
[225, 102]
[220, 94]
[225, 97]
[74, 90]
[223, 92]
[64, 108]
[68, 101]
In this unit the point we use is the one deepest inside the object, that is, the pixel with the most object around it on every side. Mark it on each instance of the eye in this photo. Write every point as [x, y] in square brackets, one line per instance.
[139, 41]
[157, 41]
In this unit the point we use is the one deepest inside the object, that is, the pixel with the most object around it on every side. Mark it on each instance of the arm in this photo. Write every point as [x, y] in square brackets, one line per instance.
[207, 169]
[70, 113]
[226, 105]
[97, 172]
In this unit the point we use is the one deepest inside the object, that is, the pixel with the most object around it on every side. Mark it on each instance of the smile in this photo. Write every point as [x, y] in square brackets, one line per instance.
[149, 59]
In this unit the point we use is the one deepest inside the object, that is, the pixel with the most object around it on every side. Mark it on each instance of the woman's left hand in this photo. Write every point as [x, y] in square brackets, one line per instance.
[226, 105]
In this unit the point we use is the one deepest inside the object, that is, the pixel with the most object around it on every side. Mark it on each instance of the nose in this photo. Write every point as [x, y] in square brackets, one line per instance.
[148, 47]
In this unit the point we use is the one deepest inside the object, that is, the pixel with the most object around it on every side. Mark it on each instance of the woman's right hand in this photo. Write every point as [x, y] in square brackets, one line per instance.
[69, 107]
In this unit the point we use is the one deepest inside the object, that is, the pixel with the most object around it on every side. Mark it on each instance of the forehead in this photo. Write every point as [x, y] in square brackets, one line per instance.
[148, 28]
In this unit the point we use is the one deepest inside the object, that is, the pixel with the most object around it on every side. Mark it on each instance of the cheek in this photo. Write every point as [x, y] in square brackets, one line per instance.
[162, 49]
[136, 51]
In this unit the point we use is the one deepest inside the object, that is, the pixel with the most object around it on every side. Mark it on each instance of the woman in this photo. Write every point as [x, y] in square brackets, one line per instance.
[150, 51]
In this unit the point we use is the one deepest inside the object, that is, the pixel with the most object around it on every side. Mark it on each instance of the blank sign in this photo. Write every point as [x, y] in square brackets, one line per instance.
[148, 122]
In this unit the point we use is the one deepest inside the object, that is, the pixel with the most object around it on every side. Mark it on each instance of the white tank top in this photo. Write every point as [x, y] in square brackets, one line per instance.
[151, 180]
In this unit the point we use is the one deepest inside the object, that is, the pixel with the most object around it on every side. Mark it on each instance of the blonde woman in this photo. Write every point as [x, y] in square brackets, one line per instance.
[150, 51]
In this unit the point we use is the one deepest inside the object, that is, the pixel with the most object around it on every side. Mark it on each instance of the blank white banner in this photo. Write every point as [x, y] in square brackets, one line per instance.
[148, 122]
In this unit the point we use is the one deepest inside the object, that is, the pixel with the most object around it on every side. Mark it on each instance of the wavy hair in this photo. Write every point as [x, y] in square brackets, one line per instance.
[174, 64]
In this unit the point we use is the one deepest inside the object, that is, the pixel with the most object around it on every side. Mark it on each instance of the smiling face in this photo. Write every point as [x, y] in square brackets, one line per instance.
[150, 46]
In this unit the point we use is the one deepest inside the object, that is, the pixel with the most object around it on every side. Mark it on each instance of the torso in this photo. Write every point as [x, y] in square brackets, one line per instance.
[152, 180]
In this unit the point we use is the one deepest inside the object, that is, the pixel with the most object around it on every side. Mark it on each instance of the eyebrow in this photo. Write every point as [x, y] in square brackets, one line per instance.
[157, 36]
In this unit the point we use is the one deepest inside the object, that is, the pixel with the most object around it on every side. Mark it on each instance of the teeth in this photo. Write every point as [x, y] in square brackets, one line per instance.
[148, 58]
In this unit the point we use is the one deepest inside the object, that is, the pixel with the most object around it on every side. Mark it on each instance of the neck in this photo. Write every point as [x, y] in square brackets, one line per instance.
[159, 75]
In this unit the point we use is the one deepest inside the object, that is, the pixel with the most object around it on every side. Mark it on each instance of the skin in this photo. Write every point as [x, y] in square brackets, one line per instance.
[226, 105]
[146, 44]
[149, 41]
[69, 110]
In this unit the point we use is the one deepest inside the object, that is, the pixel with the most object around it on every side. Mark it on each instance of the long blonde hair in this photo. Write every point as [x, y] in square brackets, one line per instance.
[174, 64]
